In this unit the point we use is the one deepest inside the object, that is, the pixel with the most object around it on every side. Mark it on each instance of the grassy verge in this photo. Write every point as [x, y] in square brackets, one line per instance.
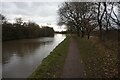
[52, 65]
[99, 61]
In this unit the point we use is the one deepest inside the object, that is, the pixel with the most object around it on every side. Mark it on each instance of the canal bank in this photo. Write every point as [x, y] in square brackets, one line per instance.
[52, 65]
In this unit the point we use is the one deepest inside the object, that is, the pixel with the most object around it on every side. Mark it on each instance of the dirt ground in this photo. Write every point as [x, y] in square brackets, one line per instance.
[73, 67]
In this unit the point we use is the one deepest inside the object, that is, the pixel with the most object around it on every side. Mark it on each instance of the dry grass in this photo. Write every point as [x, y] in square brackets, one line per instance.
[109, 50]
[100, 58]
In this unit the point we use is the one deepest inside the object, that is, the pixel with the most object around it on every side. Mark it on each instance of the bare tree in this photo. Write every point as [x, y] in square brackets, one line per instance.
[116, 15]
[101, 8]
[74, 14]
[3, 19]
[19, 21]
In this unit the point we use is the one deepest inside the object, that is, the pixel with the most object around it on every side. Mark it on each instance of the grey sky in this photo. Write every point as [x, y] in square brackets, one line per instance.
[39, 12]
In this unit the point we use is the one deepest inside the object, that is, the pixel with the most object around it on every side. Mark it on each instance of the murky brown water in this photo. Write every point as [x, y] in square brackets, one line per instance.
[21, 57]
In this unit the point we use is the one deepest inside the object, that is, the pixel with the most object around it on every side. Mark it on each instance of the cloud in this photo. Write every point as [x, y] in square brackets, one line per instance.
[30, 8]
[39, 12]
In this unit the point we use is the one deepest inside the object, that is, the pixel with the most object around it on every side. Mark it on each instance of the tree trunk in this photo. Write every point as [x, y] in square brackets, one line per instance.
[100, 31]
[78, 34]
[82, 34]
[88, 35]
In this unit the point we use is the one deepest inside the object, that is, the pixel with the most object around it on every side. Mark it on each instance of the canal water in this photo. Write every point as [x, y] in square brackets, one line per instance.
[21, 57]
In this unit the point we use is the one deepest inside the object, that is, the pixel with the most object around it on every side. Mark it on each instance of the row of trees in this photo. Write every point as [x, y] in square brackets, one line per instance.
[21, 30]
[85, 17]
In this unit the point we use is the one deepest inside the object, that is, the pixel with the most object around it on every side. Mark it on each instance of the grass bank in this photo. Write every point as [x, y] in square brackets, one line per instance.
[52, 65]
[99, 61]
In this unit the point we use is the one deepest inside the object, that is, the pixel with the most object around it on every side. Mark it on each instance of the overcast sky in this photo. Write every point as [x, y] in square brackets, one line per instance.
[39, 12]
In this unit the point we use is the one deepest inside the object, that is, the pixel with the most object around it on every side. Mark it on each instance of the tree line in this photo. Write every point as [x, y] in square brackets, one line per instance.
[84, 17]
[23, 30]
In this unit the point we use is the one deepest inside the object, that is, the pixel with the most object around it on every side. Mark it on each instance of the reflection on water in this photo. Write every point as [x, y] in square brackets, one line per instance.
[21, 57]
[21, 48]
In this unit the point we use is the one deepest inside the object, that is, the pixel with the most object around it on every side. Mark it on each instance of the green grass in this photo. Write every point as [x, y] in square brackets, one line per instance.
[99, 61]
[52, 65]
